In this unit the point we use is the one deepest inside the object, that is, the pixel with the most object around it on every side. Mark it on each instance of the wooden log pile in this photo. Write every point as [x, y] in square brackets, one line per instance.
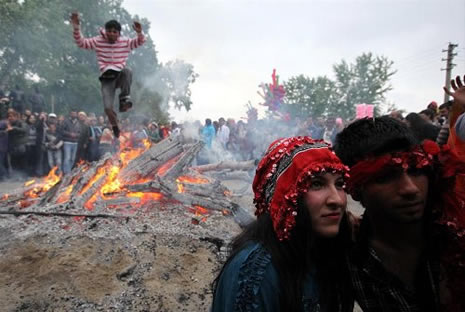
[162, 168]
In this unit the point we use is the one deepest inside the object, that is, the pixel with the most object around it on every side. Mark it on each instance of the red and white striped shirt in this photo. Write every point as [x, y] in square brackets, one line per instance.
[109, 55]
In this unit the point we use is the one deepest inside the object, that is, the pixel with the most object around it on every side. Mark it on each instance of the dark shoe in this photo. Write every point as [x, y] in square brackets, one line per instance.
[125, 105]
[116, 131]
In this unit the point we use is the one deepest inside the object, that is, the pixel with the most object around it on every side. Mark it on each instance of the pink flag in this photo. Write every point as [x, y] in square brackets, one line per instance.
[369, 110]
[360, 111]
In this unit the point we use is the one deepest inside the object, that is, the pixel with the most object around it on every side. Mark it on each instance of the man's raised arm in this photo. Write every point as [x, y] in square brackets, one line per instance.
[85, 43]
[140, 39]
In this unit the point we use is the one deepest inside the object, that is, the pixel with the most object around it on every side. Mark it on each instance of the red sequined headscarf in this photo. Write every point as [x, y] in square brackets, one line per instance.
[284, 174]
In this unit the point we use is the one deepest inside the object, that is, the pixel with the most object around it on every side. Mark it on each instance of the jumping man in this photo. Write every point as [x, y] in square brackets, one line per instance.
[112, 52]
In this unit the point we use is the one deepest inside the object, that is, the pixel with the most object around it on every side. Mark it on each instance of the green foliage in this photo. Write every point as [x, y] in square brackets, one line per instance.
[364, 81]
[37, 47]
[309, 96]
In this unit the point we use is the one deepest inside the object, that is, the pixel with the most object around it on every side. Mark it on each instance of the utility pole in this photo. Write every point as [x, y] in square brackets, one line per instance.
[449, 66]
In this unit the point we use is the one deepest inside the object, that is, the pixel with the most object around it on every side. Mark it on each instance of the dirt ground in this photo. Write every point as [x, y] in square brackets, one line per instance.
[159, 260]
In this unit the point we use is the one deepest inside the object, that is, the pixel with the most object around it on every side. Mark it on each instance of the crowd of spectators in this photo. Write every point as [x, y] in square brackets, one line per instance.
[33, 141]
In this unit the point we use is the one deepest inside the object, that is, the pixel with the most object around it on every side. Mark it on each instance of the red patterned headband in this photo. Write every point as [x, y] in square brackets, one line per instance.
[284, 174]
[420, 156]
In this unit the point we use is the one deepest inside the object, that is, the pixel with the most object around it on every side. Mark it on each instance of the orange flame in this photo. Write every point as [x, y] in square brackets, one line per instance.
[43, 186]
[100, 172]
[192, 180]
[89, 205]
[200, 210]
[112, 185]
[145, 197]
[180, 186]
[64, 197]
[166, 166]
[29, 182]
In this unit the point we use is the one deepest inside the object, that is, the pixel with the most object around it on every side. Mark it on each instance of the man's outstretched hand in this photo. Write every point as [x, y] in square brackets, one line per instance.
[459, 91]
[75, 19]
[137, 27]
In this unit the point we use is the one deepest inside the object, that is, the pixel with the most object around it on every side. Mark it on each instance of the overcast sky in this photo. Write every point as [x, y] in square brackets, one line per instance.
[234, 45]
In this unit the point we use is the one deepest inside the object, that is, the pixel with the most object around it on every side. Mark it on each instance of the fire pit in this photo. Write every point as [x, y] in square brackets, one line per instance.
[136, 231]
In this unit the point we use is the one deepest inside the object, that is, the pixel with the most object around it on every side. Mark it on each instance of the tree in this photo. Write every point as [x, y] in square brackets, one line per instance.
[36, 46]
[365, 81]
[309, 96]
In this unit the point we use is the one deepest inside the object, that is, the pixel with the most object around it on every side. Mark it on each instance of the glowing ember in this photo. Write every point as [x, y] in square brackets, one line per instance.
[89, 205]
[64, 197]
[192, 180]
[29, 182]
[24, 203]
[145, 197]
[200, 210]
[180, 186]
[166, 166]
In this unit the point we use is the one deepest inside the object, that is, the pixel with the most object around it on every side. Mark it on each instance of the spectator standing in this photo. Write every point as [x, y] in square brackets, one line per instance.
[208, 133]
[443, 119]
[71, 132]
[94, 139]
[31, 145]
[153, 132]
[106, 142]
[53, 146]
[223, 133]
[17, 140]
[3, 149]
[84, 134]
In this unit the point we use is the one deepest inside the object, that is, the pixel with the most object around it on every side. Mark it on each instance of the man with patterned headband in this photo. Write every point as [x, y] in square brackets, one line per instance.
[292, 258]
[409, 237]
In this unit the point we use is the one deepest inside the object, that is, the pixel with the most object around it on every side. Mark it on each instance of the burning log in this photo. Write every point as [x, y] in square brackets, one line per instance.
[151, 160]
[184, 160]
[231, 165]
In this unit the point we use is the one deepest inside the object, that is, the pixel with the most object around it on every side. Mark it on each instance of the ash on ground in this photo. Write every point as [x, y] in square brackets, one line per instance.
[164, 257]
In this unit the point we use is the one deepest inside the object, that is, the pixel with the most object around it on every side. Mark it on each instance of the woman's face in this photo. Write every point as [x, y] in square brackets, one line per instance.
[326, 202]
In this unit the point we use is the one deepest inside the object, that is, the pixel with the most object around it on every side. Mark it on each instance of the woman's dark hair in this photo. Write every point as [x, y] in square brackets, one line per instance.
[429, 112]
[303, 253]
[113, 24]
[372, 137]
[422, 129]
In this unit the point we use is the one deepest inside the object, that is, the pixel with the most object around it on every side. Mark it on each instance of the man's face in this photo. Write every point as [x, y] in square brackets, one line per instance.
[444, 112]
[396, 195]
[112, 34]
[12, 118]
[73, 115]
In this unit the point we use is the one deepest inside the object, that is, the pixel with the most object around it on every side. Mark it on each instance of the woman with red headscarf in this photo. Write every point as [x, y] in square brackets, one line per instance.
[292, 258]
